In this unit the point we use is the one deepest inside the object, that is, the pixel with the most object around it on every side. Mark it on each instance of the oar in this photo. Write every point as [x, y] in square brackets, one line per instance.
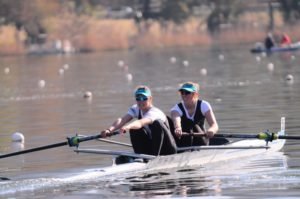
[114, 142]
[262, 136]
[109, 152]
[111, 141]
[71, 141]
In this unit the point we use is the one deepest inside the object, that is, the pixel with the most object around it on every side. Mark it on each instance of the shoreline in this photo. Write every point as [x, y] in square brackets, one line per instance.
[107, 35]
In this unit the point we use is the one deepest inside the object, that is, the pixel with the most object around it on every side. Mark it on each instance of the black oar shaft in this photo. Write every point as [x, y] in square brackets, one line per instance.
[220, 135]
[35, 149]
[244, 136]
[78, 140]
[289, 137]
[262, 136]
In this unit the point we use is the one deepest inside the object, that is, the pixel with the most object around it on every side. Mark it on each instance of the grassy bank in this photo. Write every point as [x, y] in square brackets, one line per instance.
[90, 34]
[11, 41]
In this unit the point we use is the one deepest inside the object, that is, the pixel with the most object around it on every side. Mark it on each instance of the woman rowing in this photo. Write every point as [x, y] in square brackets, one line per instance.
[149, 133]
[189, 116]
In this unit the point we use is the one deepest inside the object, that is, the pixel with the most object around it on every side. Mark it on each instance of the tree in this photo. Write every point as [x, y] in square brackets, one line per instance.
[27, 15]
[224, 12]
[290, 10]
[175, 10]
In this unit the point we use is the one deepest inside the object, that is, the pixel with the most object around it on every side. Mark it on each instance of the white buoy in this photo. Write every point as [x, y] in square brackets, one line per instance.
[221, 57]
[121, 63]
[173, 60]
[289, 79]
[129, 77]
[6, 70]
[270, 67]
[66, 66]
[61, 71]
[42, 83]
[218, 100]
[293, 57]
[17, 146]
[17, 137]
[263, 54]
[203, 71]
[185, 63]
[258, 59]
[88, 94]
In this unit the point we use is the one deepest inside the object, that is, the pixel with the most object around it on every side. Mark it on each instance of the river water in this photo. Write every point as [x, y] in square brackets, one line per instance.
[245, 93]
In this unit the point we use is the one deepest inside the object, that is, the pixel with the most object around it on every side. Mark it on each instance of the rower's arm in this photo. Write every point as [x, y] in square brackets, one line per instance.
[177, 123]
[137, 124]
[176, 119]
[120, 122]
[212, 122]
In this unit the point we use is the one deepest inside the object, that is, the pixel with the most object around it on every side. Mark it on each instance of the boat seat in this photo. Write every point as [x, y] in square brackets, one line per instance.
[121, 159]
[218, 141]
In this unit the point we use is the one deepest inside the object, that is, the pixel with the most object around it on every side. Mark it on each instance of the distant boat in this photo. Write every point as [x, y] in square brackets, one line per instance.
[260, 49]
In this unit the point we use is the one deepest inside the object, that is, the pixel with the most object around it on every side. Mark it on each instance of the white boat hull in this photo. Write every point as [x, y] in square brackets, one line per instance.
[203, 157]
[200, 157]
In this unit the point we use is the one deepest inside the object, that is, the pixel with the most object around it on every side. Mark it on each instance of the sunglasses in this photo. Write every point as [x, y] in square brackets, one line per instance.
[141, 98]
[183, 92]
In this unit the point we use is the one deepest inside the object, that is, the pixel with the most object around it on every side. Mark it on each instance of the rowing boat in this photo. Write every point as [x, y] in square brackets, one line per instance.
[290, 48]
[195, 156]
[262, 145]
[200, 156]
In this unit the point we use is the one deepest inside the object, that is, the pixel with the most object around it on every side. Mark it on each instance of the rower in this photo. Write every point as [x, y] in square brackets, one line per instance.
[149, 133]
[189, 116]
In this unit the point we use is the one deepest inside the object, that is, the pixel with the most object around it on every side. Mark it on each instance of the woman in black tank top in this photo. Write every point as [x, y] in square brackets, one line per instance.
[189, 116]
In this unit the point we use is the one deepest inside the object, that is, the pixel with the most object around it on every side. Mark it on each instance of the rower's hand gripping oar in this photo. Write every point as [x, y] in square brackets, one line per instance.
[71, 141]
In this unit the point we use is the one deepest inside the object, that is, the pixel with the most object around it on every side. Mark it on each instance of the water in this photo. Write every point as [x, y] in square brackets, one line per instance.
[245, 95]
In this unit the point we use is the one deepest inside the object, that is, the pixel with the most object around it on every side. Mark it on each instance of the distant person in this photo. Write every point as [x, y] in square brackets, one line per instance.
[269, 41]
[149, 133]
[189, 116]
[285, 40]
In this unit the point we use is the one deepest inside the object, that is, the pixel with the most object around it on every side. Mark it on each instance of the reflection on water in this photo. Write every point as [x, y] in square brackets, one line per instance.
[213, 179]
[246, 95]
[254, 173]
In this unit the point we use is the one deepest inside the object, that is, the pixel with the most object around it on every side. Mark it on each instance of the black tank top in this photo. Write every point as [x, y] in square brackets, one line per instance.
[187, 124]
